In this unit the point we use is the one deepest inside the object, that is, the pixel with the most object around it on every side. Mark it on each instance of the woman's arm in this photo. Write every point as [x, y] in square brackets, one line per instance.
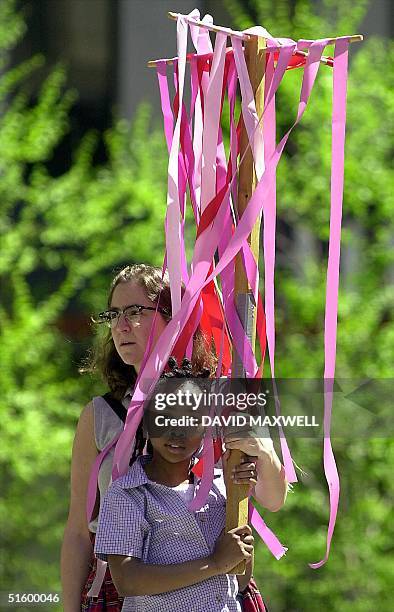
[271, 487]
[132, 577]
[270, 490]
[77, 548]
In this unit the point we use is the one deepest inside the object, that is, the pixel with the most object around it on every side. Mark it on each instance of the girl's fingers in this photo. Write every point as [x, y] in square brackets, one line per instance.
[246, 555]
[243, 530]
[248, 548]
[248, 539]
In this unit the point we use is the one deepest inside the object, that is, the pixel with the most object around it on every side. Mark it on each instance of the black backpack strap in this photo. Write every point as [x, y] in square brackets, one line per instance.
[116, 406]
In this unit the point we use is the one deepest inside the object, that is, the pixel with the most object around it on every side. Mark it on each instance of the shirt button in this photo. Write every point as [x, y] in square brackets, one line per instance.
[219, 598]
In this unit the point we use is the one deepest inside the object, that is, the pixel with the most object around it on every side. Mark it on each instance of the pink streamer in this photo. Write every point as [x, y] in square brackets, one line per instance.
[330, 325]
[173, 233]
[206, 244]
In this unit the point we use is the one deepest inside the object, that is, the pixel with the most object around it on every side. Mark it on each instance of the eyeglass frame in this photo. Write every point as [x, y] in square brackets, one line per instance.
[122, 311]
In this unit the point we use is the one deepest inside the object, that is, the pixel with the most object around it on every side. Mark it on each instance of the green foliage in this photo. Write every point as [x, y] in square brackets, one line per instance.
[61, 238]
[359, 572]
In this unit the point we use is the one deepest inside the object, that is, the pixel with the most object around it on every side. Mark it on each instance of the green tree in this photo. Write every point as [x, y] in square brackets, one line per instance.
[62, 235]
[61, 238]
[359, 572]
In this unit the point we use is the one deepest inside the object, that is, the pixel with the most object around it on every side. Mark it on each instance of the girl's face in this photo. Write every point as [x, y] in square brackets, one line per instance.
[131, 337]
[175, 446]
[179, 433]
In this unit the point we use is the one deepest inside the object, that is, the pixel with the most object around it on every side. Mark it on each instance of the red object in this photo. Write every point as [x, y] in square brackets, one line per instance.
[212, 323]
[217, 453]
[251, 598]
[261, 333]
[108, 598]
[296, 61]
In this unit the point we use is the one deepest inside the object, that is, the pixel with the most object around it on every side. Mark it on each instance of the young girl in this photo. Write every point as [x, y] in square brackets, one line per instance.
[161, 555]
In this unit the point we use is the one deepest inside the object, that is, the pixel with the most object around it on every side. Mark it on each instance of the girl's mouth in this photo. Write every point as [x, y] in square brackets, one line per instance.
[175, 448]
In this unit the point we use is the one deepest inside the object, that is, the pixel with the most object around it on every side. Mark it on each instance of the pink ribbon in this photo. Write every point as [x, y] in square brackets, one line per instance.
[173, 227]
[331, 317]
[265, 533]
[207, 242]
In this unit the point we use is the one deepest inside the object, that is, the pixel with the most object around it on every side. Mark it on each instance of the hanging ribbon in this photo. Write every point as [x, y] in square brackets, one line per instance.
[331, 316]
[201, 153]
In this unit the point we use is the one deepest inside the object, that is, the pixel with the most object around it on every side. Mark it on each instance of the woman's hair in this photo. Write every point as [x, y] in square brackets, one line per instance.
[105, 360]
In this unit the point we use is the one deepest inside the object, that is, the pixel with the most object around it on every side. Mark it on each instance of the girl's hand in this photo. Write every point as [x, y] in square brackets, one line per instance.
[232, 548]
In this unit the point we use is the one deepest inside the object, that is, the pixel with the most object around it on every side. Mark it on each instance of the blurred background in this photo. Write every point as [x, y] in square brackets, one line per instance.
[83, 191]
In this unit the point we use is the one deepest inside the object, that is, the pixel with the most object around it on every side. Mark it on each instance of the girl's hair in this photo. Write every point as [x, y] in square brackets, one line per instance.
[105, 360]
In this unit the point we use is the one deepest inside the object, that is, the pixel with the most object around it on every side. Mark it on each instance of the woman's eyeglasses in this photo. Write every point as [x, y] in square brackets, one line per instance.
[132, 314]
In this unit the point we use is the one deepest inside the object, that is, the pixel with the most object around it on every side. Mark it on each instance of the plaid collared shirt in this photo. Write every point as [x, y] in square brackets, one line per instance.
[150, 521]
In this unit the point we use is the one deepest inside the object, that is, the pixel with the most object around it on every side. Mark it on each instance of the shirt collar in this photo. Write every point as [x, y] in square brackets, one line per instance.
[136, 476]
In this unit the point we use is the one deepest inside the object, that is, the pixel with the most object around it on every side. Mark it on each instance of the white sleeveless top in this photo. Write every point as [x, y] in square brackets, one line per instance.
[107, 425]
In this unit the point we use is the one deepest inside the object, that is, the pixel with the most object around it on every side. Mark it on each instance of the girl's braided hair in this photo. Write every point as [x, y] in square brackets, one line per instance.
[185, 370]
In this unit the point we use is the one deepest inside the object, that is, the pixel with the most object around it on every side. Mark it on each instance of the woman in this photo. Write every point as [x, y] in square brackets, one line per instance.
[134, 295]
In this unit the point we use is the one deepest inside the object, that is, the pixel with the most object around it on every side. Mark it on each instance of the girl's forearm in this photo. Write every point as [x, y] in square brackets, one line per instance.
[271, 488]
[133, 578]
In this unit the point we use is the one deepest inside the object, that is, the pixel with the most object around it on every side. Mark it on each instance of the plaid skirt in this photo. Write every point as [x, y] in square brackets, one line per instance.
[108, 598]
[251, 600]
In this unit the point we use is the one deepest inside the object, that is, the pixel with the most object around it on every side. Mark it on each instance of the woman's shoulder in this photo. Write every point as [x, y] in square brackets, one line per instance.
[86, 418]
[107, 423]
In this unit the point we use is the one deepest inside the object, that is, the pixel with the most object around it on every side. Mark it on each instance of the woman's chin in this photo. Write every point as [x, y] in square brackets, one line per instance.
[130, 360]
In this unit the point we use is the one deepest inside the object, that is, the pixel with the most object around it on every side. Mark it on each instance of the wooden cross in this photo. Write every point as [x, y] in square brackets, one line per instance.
[237, 495]
[255, 50]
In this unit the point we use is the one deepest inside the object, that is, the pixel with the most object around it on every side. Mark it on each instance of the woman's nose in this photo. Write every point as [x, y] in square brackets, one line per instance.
[123, 324]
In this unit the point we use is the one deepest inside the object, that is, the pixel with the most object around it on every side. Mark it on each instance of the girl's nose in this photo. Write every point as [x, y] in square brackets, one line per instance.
[176, 433]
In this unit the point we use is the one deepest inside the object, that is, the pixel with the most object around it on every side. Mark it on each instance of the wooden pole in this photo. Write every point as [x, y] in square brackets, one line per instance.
[237, 495]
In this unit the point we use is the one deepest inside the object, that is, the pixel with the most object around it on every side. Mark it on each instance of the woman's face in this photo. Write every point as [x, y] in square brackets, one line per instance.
[131, 338]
